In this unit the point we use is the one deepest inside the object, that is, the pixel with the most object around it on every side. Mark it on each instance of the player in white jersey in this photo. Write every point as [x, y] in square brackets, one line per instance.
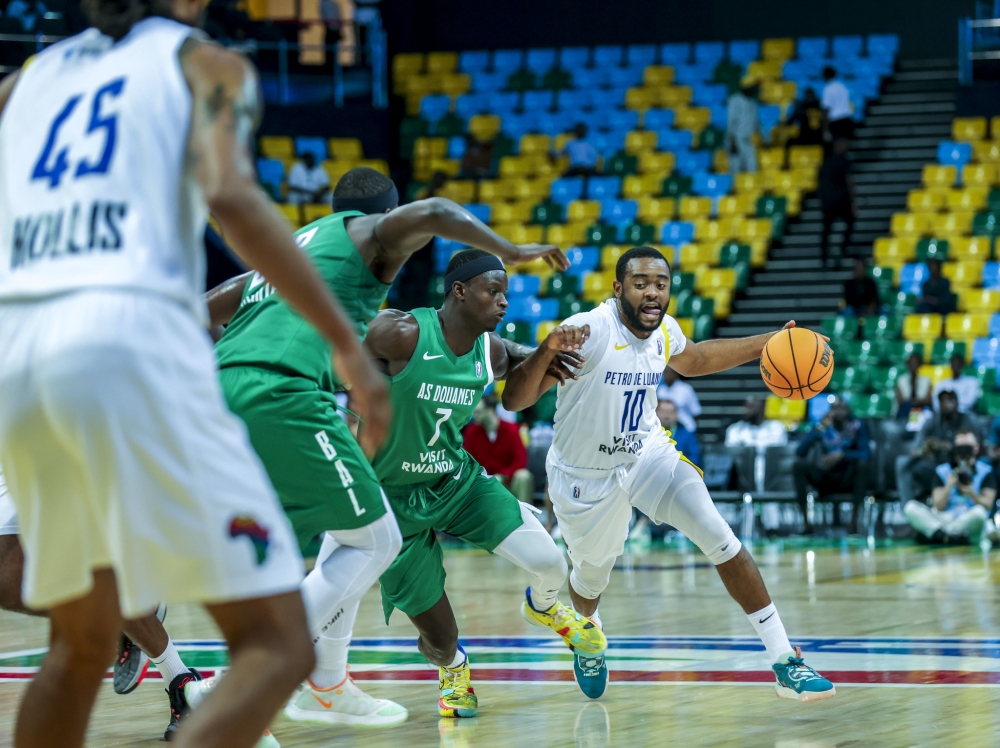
[610, 454]
[132, 482]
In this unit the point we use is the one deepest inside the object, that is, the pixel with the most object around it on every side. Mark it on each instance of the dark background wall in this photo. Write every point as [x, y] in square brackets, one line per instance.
[928, 28]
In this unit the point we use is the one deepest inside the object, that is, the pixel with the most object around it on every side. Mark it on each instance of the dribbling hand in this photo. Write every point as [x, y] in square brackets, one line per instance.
[553, 256]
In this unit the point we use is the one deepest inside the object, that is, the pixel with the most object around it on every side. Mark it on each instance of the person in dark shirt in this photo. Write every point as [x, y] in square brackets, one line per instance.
[836, 193]
[935, 295]
[834, 458]
[860, 292]
[687, 443]
[808, 115]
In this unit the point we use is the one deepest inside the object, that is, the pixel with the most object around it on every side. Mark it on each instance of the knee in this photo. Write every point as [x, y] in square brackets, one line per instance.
[912, 508]
[553, 565]
[590, 583]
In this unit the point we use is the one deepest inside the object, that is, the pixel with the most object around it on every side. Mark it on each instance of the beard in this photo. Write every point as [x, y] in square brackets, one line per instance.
[633, 319]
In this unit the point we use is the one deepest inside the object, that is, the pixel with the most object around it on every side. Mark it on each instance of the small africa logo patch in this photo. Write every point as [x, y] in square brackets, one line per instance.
[258, 535]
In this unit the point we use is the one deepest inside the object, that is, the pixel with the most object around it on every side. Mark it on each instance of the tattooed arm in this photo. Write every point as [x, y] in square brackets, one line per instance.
[225, 113]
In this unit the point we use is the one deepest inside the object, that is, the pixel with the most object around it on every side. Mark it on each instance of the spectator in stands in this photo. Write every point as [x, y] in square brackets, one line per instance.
[965, 488]
[837, 106]
[28, 12]
[808, 115]
[836, 193]
[308, 182]
[834, 458]
[860, 292]
[935, 294]
[964, 385]
[915, 471]
[683, 396]
[913, 389]
[754, 431]
[687, 442]
[496, 445]
[742, 123]
[477, 161]
[993, 442]
[581, 152]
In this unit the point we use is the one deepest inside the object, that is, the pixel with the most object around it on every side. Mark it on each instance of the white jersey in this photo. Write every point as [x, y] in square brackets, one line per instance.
[93, 189]
[603, 418]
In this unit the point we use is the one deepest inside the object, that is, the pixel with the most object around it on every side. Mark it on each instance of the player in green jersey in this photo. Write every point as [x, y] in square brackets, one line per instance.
[439, 362]
[276, 376]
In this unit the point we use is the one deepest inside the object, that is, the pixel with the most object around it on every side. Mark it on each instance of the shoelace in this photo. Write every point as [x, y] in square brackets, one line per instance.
[126, 650]
[798, 665]
[591, 663]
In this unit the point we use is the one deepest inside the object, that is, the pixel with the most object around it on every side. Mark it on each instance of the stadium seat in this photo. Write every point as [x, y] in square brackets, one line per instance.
[986, 151]
[583, 210]
[991, 275]
[562, 285]
[712, 185]
[925, 201]
[911, 224]
[959, 326]
[743, 52]
[656, 209]
[582, 259]
[951, 153]
[691, 207]
[967, 199]
[646, 185]
[968, 129]
[963, 274]
[935, 175]
[978, 300]
[922, 326]
[883, 327]
[640, 141]
[677, 232]
[932, 249]
[979, 174]
[271, 173]
[567, 189]
[986, 224]
[787, 411]
[602, 187]
[977, 248]
[567, 234]
[277, 146]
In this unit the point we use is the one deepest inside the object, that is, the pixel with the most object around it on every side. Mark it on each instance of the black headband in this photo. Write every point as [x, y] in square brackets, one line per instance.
[471, 269]
[367, 205]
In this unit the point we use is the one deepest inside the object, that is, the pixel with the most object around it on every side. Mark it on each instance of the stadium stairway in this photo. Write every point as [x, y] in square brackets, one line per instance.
[898, 137]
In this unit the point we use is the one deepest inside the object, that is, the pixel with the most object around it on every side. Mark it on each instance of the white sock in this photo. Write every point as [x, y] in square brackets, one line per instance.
[169, 663]
[460, 658]
[331, 650]
[596, 618]
[543, 601]
[767, 623]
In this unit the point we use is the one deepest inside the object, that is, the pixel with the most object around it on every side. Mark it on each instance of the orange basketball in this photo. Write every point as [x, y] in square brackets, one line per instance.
[796, 364]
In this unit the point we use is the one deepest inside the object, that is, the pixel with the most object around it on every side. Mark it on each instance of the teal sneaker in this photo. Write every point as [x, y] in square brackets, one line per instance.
[591, 674]
[796, 680]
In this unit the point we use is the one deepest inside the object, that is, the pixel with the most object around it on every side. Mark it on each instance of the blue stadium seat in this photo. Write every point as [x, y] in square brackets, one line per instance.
[991, 275]
[583, 259]
[618, 211]
[720, 116]
[315, 146]
[596, 119]
[623, 119]
[744, 52]
[608, 143]
[877, 67]
[883, 45]
[607, 56]
[675, 54]
[611, 98]
[677, 233]
[710, 52]
[588, 78]
[688, 75]
[986, 351]
[537, 101]
[640, 55]
[553, 123]
[531, 309]
[691, 162]
[502, 102]
[523, 285]
[912, 277]
[601, 187]
[540, 61]
[434, 107]
[456, 146]
[625, 77]
[473, 62]
[709, 94]
[573, 58]
[571, 99]
[442, 256]
[658, 119]
[271, 172]
[812, 46]
[479, 210]
[490, 82]
[567, 189]
[673, 140]
[958, 154]
[994, 330]
[508, 60]
[769, 115]
[516, 125]
[711, 185]
[470, 104]
[796, 70]
[847, 46]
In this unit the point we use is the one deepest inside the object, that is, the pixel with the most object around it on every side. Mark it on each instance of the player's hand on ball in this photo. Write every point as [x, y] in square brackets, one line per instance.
[369, 397]
[553, 256]
[565, 365]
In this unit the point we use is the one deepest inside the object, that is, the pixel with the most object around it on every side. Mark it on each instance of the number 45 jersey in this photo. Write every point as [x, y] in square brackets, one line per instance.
[604, 417]
[93, 189]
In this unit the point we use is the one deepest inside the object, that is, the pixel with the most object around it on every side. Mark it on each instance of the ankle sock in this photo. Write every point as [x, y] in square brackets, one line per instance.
[767, 623]
[460, 659]
[169, 663]
[331, 661]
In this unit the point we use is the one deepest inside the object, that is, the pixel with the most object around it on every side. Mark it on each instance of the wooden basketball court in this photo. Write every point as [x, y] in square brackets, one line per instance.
[909, 635]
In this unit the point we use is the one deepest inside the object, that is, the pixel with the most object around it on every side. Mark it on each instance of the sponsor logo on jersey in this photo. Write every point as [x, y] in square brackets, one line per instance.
[633, 378]
[628, 444]
[435, 462]
[659, 347]
[258, 535]
[621, 347]
[449, 395]
[73, 232]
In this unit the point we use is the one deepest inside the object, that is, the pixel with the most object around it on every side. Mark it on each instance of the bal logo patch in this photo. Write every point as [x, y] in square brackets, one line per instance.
[659, 347]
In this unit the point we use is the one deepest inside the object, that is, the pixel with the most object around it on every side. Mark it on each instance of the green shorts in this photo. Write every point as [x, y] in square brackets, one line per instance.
[322, 477]
[477, 509]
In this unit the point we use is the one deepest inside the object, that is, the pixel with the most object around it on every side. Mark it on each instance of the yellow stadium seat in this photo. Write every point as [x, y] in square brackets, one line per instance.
[543, 330]
[421, 85]
[765, 69]
[656, 209]
[640, 141]
[711, 280]
[430, 148]
[980, 175]
[641, 185]
[717, 230]
[610, 254]
[969, 198]
[939, 176]
[641, 98]
[935, 373]
[778, 91]
[986, 152]
[723, 303]
[658, 76]
[978, 300]
[514, 166]
[519, 212]
[960, 326]
[924, 201]
[771, 159]
[793, 197]
[720, 161]
[968, 129]
[519, 233]
[805, 178]
[965, 274]
[787, 411]
[484, 126]
[693, 255]
[692, 207]
[687, 326]
[491, 191]
[922, 326]
[672, 307]
[449, 166]
[780, 180]
[977, 248]
[911, 224]
[666, 250]
[736, 205]
[442, 62]
[694, 118]
[758, 252]
[277, 146]
[896, 249]
[459, 190]
[314, 211]
[805, 155]
[535, 267]
[404, 67]
[995, 127]
[378, 164]
[454, 84]
[529, 189]
[532, 143]
[777, 49]
[656, 162]
[946, 224]
[565, 235]
[291, 213]
[598, 286]
[755, 228]
[674, 96]
[583, 210]
[750, 182]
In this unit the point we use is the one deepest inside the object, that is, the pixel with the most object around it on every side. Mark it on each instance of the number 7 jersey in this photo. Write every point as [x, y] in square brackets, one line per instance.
[603, 418]
[93, 187]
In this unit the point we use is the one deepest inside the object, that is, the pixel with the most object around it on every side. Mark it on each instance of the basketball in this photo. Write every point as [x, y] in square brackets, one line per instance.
[796, 364]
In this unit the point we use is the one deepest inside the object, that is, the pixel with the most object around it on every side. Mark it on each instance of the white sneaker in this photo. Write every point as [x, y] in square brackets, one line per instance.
[343, 704]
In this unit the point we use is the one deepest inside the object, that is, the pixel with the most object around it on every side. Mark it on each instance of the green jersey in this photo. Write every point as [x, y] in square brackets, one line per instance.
[432, 400]
[266, 333]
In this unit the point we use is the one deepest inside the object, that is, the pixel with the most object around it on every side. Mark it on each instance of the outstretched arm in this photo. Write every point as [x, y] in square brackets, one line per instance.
[506, 355]
[710, 356]
[224, 300]
[533, 377]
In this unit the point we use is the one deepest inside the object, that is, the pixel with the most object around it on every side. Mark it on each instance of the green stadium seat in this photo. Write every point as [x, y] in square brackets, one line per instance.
[844, 328]
[883, 378]
[557, 80]
[883, 327]
[873, 406]
[932, 249]
[862, 352]
[600, 234]
[547, 213]
[448, 126]
[900, 350]
[902, 304]
[986, 375]
[943, 350]
[729, 73]
[742, 275]
[768, 205]
[986, 223]
[621, 165]
[993, 201]
[562, 286]
[690, 304]
[681, 282]
[704, 327]
[569, 306]
[884, 278]
[639, 233]
[519, 332]
[732, 253]
[411, 129]
[711, 138]
[677, 185]
[521, 80]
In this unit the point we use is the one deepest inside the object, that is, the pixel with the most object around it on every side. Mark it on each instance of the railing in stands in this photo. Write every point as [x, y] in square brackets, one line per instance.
[978, 39]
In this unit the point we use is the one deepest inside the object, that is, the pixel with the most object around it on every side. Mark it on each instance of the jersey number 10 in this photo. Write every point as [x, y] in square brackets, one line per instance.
[60, 161]
[632, 413]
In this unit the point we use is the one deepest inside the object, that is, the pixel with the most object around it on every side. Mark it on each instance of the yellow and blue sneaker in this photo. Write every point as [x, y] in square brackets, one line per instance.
[591, 674]
[458, 698]
[581, 634]
[796, 680]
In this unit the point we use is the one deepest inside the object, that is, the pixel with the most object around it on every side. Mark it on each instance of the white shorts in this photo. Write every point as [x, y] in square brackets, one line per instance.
[594, 514]
[119, 452]
[8, 514]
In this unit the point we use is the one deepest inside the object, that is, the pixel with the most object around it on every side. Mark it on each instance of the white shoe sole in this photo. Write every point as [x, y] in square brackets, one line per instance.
[806, 697]
[527, 616]
[298, 714]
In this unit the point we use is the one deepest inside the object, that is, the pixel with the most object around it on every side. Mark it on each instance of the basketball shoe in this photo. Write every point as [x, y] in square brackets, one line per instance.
[581, 634]
[343, 704]
[796, 680]
[591, 672]
[458, 698]
[179, 706]
[132, 664]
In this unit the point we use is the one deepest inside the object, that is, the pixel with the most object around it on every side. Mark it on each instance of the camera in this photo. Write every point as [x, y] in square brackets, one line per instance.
[963, 457]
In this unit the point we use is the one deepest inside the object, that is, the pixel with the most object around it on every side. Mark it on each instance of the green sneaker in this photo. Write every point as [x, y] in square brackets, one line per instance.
[796, 680]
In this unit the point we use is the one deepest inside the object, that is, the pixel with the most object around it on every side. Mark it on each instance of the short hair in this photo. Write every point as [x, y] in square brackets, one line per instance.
[464, 257]
[115, 18]
[362, 181]
[966, 432]
[948, 393]
[829, 73]
[636, 253]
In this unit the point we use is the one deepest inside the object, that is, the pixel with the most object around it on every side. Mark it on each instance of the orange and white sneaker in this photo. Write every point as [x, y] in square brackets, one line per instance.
[343, 704]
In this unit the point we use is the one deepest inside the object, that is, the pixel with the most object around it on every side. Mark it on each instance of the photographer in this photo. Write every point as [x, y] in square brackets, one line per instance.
[965, 488]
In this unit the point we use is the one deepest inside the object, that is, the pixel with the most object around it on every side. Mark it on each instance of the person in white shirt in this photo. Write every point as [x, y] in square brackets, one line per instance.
[913, 389]
[742, 123]
[837, 105]
[683, 396]
[966, 387]
[308, 182]
[754, 431]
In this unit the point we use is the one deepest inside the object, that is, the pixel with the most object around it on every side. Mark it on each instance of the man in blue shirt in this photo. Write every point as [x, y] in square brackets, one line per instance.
[834, 458]
[687, 443]
[581, 152]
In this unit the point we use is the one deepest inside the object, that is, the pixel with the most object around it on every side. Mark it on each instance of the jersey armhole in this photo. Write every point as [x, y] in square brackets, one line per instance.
[420, 346]
[487, 359]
